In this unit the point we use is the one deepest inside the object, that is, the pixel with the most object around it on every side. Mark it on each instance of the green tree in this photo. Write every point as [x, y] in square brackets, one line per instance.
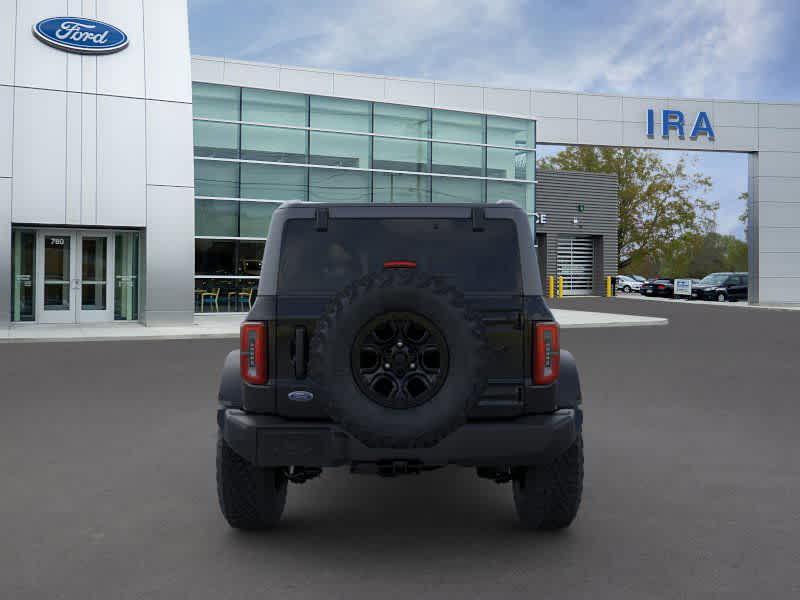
[745, 216]
[697, 255]
[659, 202]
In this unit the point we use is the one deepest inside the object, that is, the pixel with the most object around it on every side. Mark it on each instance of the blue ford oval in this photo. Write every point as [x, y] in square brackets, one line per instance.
[84, 36]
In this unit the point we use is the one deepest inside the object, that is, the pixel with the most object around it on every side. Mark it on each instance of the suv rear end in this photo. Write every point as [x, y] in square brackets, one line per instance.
[399, 339]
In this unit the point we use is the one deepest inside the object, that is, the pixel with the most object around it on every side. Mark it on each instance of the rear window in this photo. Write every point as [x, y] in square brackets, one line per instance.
[326, 261]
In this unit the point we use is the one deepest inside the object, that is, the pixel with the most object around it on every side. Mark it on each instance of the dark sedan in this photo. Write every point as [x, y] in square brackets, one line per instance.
[722, 287]
[663, 288]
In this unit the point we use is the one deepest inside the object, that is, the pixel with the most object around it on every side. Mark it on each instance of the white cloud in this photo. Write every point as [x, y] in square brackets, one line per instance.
[687, 47]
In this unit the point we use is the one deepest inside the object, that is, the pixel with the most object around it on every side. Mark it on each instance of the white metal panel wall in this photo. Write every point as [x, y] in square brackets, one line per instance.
[37, 65]
[74, 133]
[167, 58]
[6, 128]
[8, 24]
[169, 144]
[74, 159]
[121, 73]
[39, 156]
[169, 255]
[121, 161]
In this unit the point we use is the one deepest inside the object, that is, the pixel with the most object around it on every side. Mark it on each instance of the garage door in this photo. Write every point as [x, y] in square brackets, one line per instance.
[576, 264]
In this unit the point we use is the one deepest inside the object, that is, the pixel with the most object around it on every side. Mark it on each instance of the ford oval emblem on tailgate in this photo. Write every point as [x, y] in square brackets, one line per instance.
[301, 396]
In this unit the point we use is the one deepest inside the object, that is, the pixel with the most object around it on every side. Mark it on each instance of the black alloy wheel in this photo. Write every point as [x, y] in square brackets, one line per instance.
[400, 360]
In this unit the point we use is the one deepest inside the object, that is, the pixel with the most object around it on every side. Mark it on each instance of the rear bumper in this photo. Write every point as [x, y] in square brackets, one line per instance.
[269, 441]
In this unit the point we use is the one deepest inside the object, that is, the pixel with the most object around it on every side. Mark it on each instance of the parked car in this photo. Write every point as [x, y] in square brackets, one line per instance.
[373, 343]
[638, 278]
[722, 287]
[627, 284]
[663, 288]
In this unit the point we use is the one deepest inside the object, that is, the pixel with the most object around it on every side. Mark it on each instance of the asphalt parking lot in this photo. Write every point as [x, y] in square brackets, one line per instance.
[692, 480]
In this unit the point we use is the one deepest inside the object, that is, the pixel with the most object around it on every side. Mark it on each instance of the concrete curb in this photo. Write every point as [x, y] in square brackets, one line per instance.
[227, 327]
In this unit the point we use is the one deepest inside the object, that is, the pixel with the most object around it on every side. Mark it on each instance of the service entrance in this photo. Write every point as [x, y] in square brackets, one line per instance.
[73, 275]
[575, 263]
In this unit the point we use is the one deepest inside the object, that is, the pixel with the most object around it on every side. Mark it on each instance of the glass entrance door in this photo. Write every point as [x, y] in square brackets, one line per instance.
[74, 272]
[94, 300]
[56, 277]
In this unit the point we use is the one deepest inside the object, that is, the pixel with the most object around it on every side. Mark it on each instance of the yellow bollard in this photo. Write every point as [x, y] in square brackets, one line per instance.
[561, 287]
[551, 286]
[608, 287]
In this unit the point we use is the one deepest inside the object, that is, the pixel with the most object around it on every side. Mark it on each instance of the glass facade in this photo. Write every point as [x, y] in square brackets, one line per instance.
[23, 261]
[257, 148]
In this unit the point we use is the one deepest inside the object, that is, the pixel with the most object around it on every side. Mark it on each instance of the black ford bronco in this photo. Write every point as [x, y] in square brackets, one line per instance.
[397, 339]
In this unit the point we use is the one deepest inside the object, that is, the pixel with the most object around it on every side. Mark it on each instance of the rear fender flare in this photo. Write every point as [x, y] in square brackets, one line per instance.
[230, 383]
[569, 384]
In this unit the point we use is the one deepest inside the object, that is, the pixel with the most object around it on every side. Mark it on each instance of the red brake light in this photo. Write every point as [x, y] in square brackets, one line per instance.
[546, 353]
[253, 352]
[400, 264]
[661, 287]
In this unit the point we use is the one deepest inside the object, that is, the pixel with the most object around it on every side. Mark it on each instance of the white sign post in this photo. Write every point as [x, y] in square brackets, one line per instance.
[683, 287]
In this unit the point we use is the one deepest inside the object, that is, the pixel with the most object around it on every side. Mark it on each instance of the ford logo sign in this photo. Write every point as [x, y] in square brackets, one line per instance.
[301, 396]
[84, 36]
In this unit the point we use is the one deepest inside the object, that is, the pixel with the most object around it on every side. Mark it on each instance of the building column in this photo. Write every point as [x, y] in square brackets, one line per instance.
[774, 227]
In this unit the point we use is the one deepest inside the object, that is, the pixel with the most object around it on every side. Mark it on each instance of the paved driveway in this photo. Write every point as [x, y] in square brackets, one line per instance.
[692, 487]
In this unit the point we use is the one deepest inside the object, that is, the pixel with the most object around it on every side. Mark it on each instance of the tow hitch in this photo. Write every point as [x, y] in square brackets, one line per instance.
[391, 468]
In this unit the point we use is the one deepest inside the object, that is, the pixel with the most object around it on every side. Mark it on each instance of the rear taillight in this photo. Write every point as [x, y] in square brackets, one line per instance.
[546, 353]
[661, 287]
[253, 352]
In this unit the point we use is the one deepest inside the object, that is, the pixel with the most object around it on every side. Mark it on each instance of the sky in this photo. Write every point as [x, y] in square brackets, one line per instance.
[732, 49]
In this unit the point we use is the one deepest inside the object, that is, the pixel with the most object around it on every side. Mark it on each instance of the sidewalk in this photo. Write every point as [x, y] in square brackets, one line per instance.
[227, 326]
[738, 304]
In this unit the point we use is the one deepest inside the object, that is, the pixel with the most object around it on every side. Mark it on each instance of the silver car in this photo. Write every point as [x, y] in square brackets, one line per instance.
[627, 284]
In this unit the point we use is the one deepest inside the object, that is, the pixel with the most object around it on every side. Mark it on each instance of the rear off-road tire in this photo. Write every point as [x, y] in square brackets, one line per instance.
[421, 296]
[251, 498]
[547, 497]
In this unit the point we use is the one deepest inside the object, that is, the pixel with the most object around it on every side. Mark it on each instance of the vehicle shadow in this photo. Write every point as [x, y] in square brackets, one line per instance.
[449, 518]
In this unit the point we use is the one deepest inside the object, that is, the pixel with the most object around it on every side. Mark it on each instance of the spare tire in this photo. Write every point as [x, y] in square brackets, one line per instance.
[399, 359]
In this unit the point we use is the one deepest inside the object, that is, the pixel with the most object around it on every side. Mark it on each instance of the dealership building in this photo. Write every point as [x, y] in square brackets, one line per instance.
[137, 182]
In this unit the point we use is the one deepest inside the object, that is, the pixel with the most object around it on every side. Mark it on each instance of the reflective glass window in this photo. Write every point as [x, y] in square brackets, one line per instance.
[214, 178]
[250, 256]
[407, 121]
[400, 155]
[220, 140]
[509, 164]
[273, 144]
[336, 113]
[339, 185]
[353, 248]
[255, 217]
[215, 295]
[215, 257]
[457, 159]
[507, 131]
[394, 187]
[273, 182]
[280, 108]
[457, 126]
[23, 261]
[216, 217]
[339, 149]
[520, 193]
[453, 189]
[126, 276]
[215, 101]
